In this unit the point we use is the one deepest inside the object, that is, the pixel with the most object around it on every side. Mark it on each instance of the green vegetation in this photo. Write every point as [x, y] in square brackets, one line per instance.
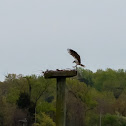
[92, 99]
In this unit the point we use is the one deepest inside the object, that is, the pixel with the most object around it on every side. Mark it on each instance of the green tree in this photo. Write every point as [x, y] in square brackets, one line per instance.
[111, 120]
[44, 120]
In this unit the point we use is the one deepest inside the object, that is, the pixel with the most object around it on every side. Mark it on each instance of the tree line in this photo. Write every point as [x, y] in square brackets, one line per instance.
[92, 99]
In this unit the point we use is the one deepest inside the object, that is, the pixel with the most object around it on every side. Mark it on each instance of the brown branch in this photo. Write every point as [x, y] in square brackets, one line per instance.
[44, 90]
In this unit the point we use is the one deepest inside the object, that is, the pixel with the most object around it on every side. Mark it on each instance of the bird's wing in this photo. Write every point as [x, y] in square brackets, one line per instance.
[74, 54]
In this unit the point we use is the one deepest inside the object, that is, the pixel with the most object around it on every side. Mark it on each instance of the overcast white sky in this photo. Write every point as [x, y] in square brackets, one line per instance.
[35, 34]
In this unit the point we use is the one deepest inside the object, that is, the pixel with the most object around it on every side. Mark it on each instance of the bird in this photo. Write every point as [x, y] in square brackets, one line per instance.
[76, 57]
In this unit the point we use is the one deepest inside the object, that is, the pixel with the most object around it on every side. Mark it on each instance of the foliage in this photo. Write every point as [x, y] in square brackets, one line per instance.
[89, 97]
[113, 120]
[44, 120]
[85, 76]
[46, 107]
[23, 101]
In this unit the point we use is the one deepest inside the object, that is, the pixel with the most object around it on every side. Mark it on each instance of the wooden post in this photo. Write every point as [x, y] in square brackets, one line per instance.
[61, 76]
[60, 102]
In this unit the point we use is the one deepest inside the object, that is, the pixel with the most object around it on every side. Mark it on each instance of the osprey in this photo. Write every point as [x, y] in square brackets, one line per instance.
[76, 57]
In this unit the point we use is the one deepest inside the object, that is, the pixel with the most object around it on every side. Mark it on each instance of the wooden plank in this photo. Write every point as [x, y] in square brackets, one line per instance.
[59, 73]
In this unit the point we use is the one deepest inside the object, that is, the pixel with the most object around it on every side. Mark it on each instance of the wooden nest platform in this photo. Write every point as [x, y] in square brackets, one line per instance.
[60, 76]
[60, 73]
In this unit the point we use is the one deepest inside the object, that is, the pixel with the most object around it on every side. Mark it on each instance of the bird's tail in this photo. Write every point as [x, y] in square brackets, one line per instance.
[82, 65]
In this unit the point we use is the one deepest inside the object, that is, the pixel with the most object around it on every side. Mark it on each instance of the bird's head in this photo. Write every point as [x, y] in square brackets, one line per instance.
[74, 61]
